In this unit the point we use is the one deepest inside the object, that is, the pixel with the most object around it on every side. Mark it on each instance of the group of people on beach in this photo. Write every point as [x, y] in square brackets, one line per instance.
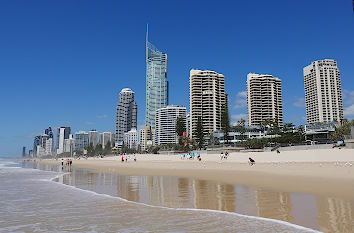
[224, 156]
[66, 164]
[191, 156]
[127, 157]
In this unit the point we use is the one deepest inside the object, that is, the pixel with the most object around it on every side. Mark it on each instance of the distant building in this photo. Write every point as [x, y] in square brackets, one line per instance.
[36, 143]
[264, 99]
[188, 121]
[166, 118]
[131, 139]
[45, 147]
[81, 140]
[146, 138]
[30, 153]
[207, 98]
[156, 82]
[127, 111]
[106, 137]
[24, 151]
[62, 134]
[237, 136]
[319, 132]
[69, 144]
[50, 134]
[323, 92]
[93, 137]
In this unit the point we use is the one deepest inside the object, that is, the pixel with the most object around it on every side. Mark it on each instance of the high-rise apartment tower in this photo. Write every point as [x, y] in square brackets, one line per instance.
[323, 92]
[264, 99]
[207, 98]
[127, 111]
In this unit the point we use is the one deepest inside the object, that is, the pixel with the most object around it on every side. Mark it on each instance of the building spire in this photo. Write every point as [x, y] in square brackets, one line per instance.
[147, 40]
[147, 33]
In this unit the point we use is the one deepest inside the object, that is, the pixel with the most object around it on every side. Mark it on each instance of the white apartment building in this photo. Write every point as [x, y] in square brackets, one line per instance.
[206, 97]
[126, 115]
[264, 99]
[69, 144]
[106, 137]
[165, 123]
[131, 139]
[62, 134]
[49, 147]
[45, 147]
[188, 121]
[323, 92]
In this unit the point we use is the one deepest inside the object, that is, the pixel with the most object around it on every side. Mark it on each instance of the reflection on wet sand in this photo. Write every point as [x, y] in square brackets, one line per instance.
[331, 215]
[335, 215]
[271, 204]
[210, 195]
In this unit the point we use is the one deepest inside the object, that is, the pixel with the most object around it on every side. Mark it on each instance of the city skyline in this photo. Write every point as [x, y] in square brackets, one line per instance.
[62, 49]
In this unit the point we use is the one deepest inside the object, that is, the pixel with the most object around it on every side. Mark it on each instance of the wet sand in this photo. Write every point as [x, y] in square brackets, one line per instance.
[325, 172]
[302, 193]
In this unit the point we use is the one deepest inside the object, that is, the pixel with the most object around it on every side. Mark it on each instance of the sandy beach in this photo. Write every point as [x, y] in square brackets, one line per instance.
[321, 171]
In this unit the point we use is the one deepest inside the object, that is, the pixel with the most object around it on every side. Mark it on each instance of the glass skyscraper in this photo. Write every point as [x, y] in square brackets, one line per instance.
[156, 82]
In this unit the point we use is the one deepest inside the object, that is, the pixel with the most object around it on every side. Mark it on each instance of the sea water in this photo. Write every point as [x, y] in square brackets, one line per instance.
[33, 200]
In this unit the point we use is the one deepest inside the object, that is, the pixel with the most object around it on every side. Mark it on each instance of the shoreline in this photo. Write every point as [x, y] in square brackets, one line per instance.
[323, 171]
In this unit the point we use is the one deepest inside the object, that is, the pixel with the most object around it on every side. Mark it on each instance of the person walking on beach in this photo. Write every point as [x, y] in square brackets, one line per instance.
[62, 162]
[134, 158]
[221, 155]
[251, 161]
[122, 158]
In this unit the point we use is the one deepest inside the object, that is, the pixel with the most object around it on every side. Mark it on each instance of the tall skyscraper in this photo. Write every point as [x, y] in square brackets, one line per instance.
[24, 151]
[127, 112]
[62, 134]
[156, 82]
[323, 92]
[264, 99]
[207, 98]
[166, 118]
[93, 137]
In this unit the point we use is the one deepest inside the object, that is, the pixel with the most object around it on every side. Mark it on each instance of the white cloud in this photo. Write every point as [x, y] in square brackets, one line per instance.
[101, 116]
[241, 100]
[237, 117]
[299, 102]
[348, 97]
[349, 111]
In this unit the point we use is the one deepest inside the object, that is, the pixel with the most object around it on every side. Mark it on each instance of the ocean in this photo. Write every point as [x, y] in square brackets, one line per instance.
[44, 198]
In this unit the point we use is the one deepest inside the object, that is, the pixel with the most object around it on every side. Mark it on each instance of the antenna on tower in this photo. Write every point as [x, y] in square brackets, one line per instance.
[147, 33]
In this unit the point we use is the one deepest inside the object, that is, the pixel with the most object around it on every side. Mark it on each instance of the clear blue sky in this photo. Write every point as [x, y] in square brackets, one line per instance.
[64, 62]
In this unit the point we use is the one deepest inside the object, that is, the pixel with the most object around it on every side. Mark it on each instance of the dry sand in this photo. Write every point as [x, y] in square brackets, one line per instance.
[322, 171]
